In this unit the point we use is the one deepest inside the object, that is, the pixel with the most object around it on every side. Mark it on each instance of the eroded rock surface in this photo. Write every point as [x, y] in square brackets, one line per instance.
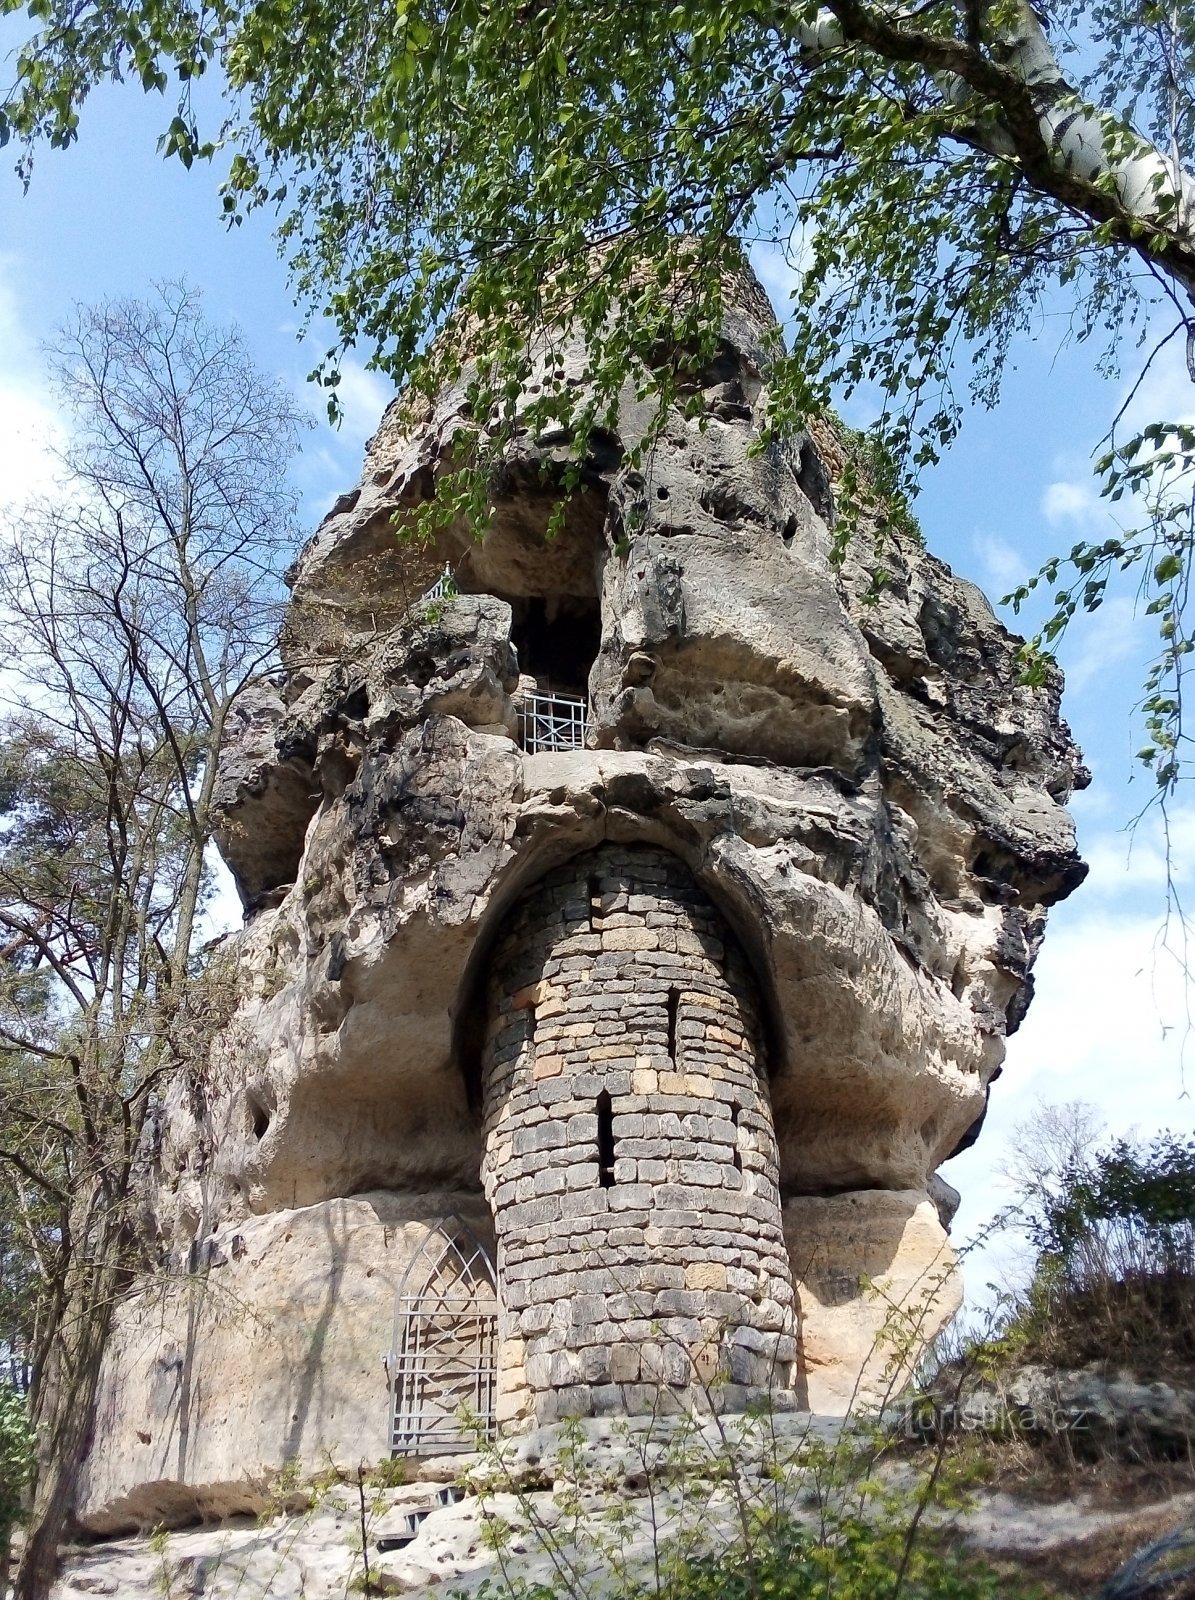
[859, 785]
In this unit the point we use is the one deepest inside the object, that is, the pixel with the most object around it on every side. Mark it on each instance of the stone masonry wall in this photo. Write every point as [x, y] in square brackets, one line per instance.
[630, 1157]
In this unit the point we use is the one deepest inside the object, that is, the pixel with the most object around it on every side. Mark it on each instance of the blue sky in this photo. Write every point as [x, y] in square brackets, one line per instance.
[1107, 1026]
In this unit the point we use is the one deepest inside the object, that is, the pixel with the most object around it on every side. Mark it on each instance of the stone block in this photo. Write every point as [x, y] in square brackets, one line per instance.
[595, 1364]
[705, 1275]
[679, 1302]
[661, 1275]
[511, 1355]
[620, 939]
[535, 1319]
[564, 1368]
[624, 1364]
[512, 1405]
[622, 1307]
[590, 1203]
[586, 1309]
[702, 1174]
[544, 1209]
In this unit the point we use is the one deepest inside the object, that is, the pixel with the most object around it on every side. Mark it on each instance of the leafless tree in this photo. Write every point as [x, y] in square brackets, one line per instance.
[136, 605]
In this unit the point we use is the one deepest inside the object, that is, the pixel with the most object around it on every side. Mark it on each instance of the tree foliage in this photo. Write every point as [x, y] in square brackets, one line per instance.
[940, 174]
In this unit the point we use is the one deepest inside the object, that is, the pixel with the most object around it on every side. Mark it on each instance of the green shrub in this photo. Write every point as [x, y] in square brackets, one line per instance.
[1114, 1277]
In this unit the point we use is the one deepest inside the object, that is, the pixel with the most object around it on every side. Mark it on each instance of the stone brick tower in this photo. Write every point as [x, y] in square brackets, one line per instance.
[630, 1157]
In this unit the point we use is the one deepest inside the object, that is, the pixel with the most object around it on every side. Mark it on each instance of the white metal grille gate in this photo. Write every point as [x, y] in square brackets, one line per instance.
[443, 1360]
[551, 722]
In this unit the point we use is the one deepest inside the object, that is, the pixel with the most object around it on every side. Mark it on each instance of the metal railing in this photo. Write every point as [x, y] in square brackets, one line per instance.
[551, 722]
[444, 588]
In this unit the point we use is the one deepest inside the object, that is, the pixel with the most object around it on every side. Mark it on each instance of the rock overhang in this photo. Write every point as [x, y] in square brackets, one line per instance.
[856, 778]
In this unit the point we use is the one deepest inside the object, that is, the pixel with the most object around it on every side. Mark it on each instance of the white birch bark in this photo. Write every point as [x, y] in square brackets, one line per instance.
[1087, 142]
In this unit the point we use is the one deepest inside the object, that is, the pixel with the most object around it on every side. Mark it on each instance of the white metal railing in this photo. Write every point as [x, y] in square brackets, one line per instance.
[551, 722]
[444, 587]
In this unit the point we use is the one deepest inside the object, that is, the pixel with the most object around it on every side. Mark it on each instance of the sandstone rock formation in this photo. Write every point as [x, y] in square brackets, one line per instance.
[795, 843]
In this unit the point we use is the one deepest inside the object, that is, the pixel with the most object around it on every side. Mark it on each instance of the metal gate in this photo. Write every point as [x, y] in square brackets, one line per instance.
[443, 1360]
[551, 722]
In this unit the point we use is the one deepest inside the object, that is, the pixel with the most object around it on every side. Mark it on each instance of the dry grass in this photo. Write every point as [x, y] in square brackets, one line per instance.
[1144, 1322]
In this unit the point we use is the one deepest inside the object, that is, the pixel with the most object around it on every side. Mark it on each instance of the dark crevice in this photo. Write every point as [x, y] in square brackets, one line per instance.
[259, 1116]
[605, 1140]
[673, 1015]
[557, 639]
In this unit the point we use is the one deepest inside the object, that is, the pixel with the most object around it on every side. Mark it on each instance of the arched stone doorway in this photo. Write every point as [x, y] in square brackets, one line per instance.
[442, 1362]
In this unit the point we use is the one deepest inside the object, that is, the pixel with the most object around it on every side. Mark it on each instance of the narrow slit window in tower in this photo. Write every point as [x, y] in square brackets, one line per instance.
[673, 1015]
[734, 1123]
[595, 903]
[605, 1140]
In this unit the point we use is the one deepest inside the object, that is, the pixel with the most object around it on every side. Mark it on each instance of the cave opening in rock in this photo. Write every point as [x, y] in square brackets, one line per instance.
[557, 638]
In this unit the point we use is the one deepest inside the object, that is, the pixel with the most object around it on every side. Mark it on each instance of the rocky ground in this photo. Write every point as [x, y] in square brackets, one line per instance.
[565, 1508]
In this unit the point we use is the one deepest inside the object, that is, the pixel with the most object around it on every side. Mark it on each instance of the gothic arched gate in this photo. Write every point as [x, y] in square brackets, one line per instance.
[443, 1356]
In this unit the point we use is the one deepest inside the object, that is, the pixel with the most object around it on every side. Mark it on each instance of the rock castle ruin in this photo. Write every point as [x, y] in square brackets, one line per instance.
[633, 925]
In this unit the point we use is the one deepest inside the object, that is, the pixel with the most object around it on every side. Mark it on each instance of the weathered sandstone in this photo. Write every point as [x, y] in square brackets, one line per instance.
[856, 813]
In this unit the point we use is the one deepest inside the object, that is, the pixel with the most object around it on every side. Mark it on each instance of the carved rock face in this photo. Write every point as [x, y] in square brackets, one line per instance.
[861, 785]
[857, 785]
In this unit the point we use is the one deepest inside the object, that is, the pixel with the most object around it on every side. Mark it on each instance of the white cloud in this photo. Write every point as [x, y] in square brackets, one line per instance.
[1159, 849]
[29, 422]
[1107, 1027]
[780, 266]
[364, 396]
[1100, 640]
[331, 462]
[223, 912]
[1002, 567]
[1072, 502]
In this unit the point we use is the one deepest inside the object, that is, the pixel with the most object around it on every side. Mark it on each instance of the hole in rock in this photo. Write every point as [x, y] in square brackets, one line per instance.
[605, 1140]
[356, 706]
[259, 1116]
[595, 903]
[422, 669]
[814, 482]
[557, 638]
[958, 978]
